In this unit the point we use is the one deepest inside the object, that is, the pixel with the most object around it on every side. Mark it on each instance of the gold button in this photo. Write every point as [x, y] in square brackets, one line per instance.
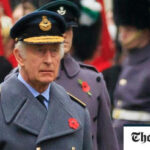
[119, 103]
[73, 148]
[123, 82]
[38, 148]
[116, 113]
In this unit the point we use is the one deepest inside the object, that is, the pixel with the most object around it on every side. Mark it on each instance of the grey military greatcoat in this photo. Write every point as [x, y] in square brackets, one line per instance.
[97, 103]
[26, 125]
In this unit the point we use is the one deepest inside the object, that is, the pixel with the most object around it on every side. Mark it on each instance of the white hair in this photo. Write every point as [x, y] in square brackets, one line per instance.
[21, 46]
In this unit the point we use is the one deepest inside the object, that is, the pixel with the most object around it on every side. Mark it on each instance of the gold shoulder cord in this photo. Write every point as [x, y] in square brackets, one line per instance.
[76, 99]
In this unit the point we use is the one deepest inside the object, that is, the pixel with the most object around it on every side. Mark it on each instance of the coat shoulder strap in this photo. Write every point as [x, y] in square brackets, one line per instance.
[76, 100]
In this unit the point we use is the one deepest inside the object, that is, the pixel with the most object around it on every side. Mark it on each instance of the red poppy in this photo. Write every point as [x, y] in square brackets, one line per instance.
[85, 86]
[73, 123]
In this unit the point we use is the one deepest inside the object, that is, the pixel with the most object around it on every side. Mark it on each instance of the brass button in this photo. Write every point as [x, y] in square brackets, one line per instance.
[122, 82]
[119, 103]
[38, 148]
[73, 148]
[116, 113]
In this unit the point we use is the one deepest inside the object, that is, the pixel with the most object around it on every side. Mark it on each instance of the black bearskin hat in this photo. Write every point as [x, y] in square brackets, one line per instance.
[86, 39]
[132, 13]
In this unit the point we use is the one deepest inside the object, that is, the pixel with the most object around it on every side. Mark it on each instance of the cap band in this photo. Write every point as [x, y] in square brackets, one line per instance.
[44, 39]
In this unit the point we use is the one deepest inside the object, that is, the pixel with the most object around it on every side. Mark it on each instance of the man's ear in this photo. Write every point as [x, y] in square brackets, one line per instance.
[18, 57]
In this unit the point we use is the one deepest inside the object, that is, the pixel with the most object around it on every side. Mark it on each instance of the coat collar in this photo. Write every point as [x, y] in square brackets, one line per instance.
[26, 112]
[138, 55]
[60, 111]
[70, 65]
[19, 104]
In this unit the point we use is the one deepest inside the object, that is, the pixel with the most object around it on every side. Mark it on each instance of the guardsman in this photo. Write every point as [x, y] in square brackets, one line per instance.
[132, 93]
[35, 112]
[84, 81]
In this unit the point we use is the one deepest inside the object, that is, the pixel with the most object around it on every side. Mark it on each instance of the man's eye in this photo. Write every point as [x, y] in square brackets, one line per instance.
[40, 49]
[54, 50]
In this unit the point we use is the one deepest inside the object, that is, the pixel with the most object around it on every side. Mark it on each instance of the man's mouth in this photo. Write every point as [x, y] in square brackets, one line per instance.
[48, 71]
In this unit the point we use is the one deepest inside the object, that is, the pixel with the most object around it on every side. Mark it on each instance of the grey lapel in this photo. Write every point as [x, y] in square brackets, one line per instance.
[70, 65]
[21, 107]
[60, 110]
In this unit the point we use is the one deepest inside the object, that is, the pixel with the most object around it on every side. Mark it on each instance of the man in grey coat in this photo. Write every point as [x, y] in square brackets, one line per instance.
[35, 112]
[84, 81]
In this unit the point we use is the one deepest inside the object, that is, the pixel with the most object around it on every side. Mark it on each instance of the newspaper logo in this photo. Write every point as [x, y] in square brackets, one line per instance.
[140, 137]
[136, 137]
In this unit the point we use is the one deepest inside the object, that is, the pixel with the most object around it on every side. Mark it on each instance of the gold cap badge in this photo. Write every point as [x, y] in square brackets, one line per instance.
[61, 11]
[45, 24]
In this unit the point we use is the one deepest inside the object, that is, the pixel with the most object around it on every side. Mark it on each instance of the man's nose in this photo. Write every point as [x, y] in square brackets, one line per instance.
[48, 57]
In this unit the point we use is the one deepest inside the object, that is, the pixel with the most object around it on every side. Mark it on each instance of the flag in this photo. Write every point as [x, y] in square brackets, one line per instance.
[7, 11]
[106, 49]
[1, 44]
[7, 8]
